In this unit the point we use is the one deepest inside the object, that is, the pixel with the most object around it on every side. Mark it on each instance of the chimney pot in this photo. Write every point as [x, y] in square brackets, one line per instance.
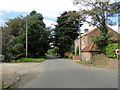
[85, 30]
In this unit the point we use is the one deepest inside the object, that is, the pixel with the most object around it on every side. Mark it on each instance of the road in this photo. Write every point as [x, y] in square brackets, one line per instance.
[60, 73]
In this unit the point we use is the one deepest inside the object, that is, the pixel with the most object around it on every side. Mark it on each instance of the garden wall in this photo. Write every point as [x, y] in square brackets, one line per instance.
[85, 56]
[76, 57]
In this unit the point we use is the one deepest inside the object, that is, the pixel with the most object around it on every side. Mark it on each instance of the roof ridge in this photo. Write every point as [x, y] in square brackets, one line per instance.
[89, 31]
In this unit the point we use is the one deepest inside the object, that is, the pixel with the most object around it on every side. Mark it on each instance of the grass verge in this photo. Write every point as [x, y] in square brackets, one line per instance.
[2, 86]
[87, 63]
[97, 60]
[31, 60]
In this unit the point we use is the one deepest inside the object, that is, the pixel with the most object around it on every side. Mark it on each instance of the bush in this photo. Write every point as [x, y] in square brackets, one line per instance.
[77, 51]
[111, 50]
[53, 51]
[1, 58]
[66, 55]
[71, 57]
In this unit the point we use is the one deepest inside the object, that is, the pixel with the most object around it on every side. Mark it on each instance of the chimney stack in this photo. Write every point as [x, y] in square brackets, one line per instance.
[85, 30]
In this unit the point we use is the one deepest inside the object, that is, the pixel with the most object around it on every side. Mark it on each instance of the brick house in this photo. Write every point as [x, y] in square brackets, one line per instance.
[88, 48]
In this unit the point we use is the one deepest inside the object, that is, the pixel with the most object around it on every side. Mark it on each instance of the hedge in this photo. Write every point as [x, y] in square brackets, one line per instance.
[111, 50]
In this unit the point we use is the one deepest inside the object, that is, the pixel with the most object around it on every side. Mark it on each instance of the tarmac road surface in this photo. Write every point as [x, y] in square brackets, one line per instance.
[60, 73]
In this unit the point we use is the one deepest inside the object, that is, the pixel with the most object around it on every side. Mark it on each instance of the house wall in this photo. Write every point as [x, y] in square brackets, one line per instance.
[116, 35]
[93, 33]
[86, 56]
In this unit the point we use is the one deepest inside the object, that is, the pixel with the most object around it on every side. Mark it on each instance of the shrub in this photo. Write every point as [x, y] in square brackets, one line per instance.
[1, 58]
[66, 55]
[71, 57]
[111, 50]
[53, 51]
[77, 51]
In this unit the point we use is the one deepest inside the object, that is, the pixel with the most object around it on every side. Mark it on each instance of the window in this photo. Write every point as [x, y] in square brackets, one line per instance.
[76, 43]
[83, 40]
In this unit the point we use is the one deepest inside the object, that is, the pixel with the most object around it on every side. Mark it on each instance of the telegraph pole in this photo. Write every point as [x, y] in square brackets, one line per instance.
[80, 54]
[26, 40]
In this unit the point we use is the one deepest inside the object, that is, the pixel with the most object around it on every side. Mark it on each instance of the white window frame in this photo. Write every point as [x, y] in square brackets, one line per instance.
[76, 43]
[83, 40]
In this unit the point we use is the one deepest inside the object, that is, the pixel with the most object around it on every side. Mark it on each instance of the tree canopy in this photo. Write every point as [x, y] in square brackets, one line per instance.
[14, 37]
[65, 32]
[100, 13]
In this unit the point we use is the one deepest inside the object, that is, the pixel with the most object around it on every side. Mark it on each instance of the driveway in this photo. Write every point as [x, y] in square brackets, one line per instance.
[61, 73]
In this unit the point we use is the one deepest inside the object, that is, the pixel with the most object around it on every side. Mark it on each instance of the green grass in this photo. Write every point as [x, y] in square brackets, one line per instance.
[84, 62]
[100, 59]
[31, 60]
[1, 86]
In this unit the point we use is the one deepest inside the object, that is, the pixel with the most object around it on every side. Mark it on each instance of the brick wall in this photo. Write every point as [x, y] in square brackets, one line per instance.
[76, 58]
[94, 33]
[85, 56]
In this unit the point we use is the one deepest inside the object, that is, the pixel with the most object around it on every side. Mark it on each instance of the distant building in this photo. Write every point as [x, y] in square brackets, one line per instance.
[88, 48]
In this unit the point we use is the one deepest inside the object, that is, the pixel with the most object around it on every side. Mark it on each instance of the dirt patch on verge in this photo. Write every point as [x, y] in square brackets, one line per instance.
[12, 71]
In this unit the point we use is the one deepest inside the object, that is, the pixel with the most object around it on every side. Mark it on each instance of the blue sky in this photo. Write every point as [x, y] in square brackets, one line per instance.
[50, 9]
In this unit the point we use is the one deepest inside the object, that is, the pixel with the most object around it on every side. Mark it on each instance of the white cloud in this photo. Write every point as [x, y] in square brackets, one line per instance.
[48, 8]
[44, 6]
[1, 14]
[86, 26]
[49, 22]
[115, 28]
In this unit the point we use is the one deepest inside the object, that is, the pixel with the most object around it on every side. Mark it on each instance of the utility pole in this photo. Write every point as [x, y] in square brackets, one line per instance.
[26, 40]
[80, 54]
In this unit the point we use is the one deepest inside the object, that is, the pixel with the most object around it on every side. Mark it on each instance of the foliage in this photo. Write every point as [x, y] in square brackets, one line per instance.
[72, 48]
[65, 33]
[66, 55]
[56, 49]
[10, 32]
[71, 57]
[77, 51]
[53, 51]
[1, 58]
[111, 41]
[111, 50]
[37, 36]
[14, 37]
[31, 60]
[100, 13]
[101, 41]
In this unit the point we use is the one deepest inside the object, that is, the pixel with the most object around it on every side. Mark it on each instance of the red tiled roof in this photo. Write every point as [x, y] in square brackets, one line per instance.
[88, 32]
[86, 49]
[95, 29]
[90, 47]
